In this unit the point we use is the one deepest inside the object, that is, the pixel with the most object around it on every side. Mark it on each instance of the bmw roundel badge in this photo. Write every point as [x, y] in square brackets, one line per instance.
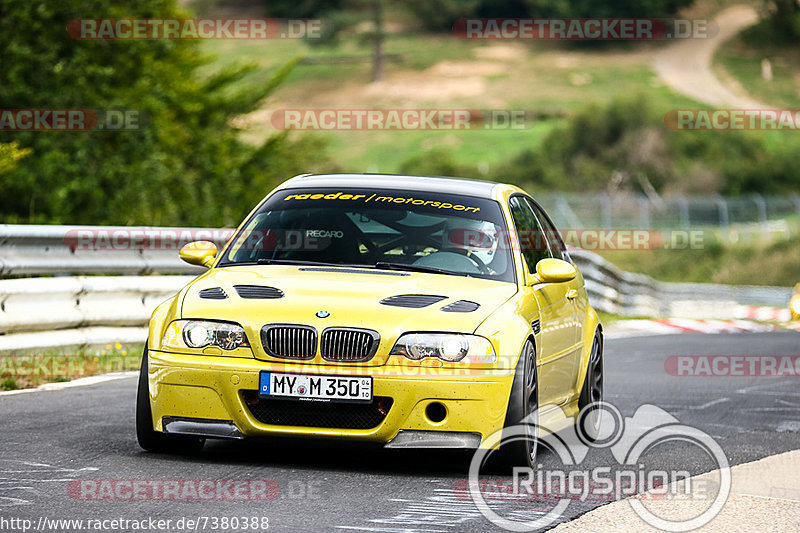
[322, 314]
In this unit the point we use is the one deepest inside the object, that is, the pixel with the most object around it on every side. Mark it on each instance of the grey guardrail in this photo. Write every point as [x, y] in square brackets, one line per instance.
[613, 290]
[37, 311]
[27, 250]
[37, 304]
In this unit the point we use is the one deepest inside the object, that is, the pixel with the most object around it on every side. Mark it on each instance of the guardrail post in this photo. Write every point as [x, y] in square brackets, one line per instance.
[644, 212]
[762, 212]
[796, 201]
[724, 219]
[568, 213]
[605, 211]
[683, 209]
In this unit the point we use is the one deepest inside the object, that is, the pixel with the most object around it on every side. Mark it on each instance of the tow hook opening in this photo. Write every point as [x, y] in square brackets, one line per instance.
[436, 412]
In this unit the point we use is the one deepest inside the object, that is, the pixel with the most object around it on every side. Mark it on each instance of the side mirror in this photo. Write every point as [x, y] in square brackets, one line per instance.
[200, 253]
[555, 271]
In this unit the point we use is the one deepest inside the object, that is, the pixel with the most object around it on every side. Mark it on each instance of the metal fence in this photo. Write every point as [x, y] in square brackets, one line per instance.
[733, 219]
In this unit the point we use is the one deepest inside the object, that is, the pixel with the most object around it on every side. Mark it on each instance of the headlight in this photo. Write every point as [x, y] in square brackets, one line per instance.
[449, 347]
[202, 333]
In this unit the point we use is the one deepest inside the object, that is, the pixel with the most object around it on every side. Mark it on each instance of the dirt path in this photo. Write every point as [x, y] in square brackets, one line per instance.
[685, 65]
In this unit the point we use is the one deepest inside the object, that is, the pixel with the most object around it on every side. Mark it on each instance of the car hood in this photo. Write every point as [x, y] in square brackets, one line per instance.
[351, 296]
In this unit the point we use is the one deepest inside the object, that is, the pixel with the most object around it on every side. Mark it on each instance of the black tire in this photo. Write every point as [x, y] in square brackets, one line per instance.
[523, 407]
[589, 417]
[150, 439]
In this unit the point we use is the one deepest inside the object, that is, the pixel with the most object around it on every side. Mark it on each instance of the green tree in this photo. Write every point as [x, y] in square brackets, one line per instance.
[186, 165]
[10, 155]
[783, 20]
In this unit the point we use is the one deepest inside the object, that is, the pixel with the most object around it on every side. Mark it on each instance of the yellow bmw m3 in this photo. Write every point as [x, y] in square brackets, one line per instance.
[404, 310]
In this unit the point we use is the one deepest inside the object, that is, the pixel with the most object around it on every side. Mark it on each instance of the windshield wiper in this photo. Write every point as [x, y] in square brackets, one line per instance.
[266, 261]
[416, 268]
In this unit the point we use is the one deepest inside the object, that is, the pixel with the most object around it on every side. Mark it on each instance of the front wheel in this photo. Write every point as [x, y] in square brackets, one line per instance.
[150, 439]
[523, 409]
[592, 392]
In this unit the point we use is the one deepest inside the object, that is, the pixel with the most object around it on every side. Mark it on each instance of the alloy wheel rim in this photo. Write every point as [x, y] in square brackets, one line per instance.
[596, 367]
[532, 396]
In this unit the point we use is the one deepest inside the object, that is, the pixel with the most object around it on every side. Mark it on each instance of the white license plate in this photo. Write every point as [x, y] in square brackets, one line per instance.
[315, 387]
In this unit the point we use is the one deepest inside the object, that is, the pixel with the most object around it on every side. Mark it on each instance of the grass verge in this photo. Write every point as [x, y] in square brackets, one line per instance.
[741, 58]
[776, 264]
[26, 369]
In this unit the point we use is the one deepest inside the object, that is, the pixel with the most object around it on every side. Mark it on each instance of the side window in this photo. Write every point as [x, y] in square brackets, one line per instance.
[554, 240]
[531, 237]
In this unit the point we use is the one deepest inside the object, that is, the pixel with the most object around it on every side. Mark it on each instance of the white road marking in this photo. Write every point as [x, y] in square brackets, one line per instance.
[770, 498]
[709, 404]
[8, 501]
[670, 326]
[10, 486]
[81, 382]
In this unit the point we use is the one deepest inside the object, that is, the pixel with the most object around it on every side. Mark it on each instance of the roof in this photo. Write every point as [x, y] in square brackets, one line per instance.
[464, 186]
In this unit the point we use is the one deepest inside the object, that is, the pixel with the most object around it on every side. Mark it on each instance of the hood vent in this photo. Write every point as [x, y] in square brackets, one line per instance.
[461, 306]
[258, 292]
[413, 301]
[214, 293]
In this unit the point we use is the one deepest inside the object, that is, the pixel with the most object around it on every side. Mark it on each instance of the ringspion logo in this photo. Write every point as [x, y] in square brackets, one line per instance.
[629, 439]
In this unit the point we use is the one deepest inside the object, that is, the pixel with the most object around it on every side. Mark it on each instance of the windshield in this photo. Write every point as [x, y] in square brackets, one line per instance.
[417, 231]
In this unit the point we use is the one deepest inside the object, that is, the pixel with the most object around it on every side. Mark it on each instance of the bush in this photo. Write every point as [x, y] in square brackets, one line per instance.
[9, 384]
[436, 162]
[625, 145]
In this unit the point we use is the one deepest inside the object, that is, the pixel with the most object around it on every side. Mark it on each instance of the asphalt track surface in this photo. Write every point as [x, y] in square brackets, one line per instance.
[50, 438]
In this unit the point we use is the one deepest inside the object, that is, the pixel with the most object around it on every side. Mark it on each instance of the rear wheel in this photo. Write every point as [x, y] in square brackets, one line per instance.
[523, 409]
[592, 392]
[150, 439]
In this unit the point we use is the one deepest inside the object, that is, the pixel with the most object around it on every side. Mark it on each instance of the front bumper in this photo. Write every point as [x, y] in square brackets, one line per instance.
[208, 388]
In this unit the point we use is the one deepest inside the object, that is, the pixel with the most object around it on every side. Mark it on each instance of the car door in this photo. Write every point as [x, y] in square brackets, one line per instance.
[547, 303]
[574, 291]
